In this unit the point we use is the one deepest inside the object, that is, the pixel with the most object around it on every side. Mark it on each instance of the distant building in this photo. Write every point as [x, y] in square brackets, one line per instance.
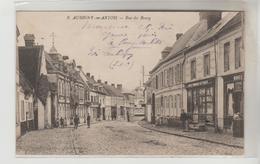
[69, 98]
[139, 101]
[114, 102]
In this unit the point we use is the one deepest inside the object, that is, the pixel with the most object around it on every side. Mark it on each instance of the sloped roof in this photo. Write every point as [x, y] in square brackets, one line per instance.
[218, 27]
[49, 63]
[25, 84]
[83, 77]
[51, 59]
[30, 62]
[198, 34]
[126, 91]
[184, 41]
[53, 49]
[112, 91]
[90, 80]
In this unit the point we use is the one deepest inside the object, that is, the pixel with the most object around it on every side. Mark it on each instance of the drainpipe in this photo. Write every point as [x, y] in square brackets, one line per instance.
[182, 78]
[216, 88]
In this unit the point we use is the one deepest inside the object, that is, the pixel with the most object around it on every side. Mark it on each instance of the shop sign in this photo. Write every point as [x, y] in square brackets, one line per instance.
[237, 78]
[200, 83]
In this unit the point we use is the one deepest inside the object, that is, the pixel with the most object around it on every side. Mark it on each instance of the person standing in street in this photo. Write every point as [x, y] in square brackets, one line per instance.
[61, 122]
[128, 117]
[183, 119]
[76, 121]
[88, 120]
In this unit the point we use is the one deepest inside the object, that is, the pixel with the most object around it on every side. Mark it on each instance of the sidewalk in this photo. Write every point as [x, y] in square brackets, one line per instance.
[223, 139]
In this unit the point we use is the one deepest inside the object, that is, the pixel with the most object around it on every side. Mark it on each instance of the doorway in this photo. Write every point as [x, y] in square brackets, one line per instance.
[153, 108]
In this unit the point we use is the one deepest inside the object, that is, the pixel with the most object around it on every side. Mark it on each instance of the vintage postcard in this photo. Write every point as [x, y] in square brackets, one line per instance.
[130, 83]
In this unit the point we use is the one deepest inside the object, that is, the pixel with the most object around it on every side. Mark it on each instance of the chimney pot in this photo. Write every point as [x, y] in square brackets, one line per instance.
[79, 67]
[92, 77]
[65, 57]
[88, 74]
[113, 85]
[178, 35]
[105, 82]
[29, 40]
[211, 17]
[99, 81]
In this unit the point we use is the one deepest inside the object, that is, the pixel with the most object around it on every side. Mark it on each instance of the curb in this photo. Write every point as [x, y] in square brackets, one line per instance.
[195, 138]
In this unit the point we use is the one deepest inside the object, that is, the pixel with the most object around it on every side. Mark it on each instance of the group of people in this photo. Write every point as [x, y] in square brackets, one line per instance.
[185, 119]
[76, 121]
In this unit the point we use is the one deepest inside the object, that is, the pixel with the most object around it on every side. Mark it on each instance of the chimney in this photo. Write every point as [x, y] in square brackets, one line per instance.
[178, 35]
[29, 40]
[88, 74]
[113, 85]
[119, 86]
[65, 57]
[79, 67]
[105, 82]
[211, 17]
[99, 81]
[92, 77]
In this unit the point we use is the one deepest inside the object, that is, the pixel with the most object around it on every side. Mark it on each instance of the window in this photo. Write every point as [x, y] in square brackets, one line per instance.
[161, 85]
[173, 76]
[170, 77]
[206, 65]
[237, 53]
[226, 56]
[22, 111]
[193, 69]
[165, 79]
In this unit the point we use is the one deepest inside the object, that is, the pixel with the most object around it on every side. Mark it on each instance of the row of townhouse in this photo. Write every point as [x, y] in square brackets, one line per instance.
[50, 86]
[33, 92]
[202, 73]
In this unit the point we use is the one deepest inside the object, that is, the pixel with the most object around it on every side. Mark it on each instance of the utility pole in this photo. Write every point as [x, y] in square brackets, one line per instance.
[53, 36]
[143, 74]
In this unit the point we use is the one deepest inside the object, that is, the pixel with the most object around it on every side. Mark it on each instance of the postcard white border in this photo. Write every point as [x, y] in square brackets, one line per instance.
[252, 87]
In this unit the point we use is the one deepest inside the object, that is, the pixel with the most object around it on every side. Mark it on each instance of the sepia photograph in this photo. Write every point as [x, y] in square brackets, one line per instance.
[130, 83]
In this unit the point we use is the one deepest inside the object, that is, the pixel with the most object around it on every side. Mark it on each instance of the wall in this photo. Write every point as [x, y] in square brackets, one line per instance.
[40, 115]
[198, 55]
[230, 37]
[47, 113]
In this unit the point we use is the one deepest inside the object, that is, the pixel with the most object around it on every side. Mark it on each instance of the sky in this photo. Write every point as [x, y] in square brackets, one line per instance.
[112, 46]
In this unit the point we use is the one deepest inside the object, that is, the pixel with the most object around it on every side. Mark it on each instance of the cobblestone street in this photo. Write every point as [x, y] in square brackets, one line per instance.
[115, 138]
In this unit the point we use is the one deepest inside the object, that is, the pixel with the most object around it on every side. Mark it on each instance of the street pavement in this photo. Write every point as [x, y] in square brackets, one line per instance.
[114, 138]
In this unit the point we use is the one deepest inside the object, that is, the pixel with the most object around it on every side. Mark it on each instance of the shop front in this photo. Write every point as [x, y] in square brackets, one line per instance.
[233, 101]
[201, 101]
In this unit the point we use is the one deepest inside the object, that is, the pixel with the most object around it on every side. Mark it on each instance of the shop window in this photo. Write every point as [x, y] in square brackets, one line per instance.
[206, 65]
[193, 69]
[226, 56]
[237, 53]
